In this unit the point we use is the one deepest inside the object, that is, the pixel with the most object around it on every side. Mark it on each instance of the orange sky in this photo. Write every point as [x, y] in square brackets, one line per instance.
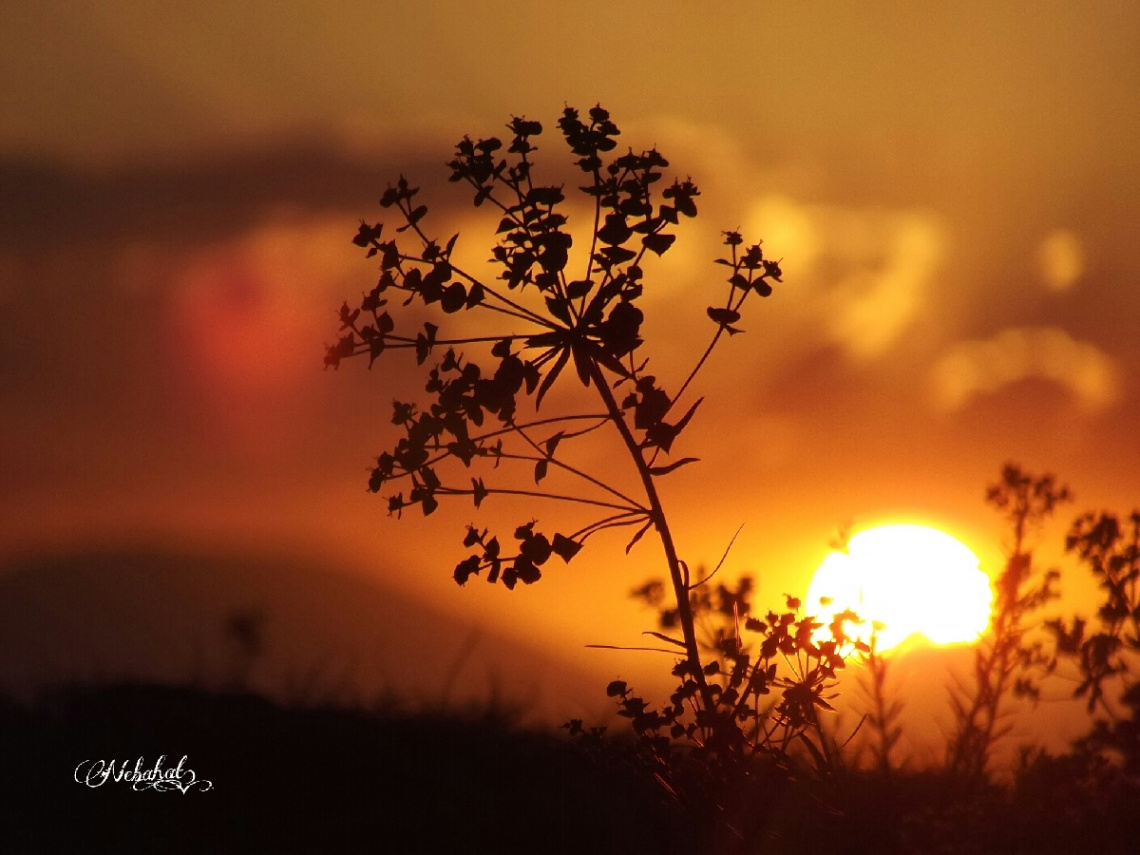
[953, 190]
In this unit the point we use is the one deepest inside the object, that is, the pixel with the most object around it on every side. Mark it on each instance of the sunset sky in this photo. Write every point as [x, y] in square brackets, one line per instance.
[954, 190]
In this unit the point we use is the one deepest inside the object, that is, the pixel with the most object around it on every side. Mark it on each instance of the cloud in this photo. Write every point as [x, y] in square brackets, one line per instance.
[868, 270]
[49, 204]
[1061, 260]
[877, 306]
[978, 367]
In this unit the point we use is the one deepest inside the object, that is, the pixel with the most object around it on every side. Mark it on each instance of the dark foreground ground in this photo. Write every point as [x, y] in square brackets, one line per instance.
[337, 781]
[319, 781]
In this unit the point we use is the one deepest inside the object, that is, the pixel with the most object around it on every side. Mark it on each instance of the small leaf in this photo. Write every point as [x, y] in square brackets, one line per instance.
[615, 231]
[551, 376]
[617, 687]
[658, 243]
[576, 290]
[396, 505]
[581, 363]
[665, 470]
[664, 637]
[685, 419]
[640, 533]
[552, 444]
[413, 279]
[559, 308]
[367, 234]
[474, 295]
[723, 316]
[531, 376]
[536, 548]
[453, 297]
[565, 548]
[375, 348]
[617, 254]
[540, 470]
[465, 568]
[491, 549]
[525, 570]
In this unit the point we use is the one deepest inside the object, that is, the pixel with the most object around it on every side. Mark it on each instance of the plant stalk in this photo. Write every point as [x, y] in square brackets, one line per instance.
[657, 512]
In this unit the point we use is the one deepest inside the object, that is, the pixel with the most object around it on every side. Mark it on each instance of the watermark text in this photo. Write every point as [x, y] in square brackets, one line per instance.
[142, 776]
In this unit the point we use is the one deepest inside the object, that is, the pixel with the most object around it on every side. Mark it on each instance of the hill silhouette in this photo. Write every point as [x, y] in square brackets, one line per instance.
[275, 678]
[145, 615]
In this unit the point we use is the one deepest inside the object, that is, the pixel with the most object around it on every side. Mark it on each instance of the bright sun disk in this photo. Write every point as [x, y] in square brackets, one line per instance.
[908, 578]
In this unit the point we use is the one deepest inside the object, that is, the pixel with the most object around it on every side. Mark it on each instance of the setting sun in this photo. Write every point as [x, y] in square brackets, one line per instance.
[909, 578]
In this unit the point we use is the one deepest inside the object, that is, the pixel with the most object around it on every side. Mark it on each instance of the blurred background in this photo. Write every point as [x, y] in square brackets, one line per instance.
[953, 190]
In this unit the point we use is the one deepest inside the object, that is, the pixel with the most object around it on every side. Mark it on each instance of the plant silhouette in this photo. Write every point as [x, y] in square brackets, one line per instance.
[244, 630]
[1108, 654]
[1089, 795]
[748, 659]
[885, 714]
[493, 426]
[1005, 661]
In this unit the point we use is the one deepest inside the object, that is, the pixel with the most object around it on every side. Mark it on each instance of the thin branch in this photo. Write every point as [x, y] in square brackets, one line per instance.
[594, 233]
[450, 491]
[704, 356]
[539, 319]
[616, 521]
[487, 289]
[511, 428]
[664, 637]
[697, 367]
[719, 563]
[622, 647]
[578, 472]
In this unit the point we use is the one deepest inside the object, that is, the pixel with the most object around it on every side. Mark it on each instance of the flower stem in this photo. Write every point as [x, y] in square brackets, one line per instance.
[657, 514]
